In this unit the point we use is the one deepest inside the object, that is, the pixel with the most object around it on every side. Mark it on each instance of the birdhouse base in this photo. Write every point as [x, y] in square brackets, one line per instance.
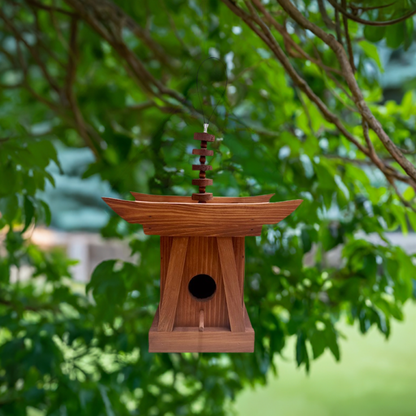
[191, 339]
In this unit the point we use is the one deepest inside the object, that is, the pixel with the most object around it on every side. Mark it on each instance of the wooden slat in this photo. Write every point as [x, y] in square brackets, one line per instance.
[174, 274]
[202, 182]
[210, 220]
[205, 137]
[217, 199]
[205, 196]
[182, 214]
[203, 152]
[231, 284]
[202, 167]
[200, 230]
[165, 248]
[239, 252]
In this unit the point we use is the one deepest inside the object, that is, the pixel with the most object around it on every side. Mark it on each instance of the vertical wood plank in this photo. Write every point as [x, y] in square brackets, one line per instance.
[239, 251]
[165, 247]
[231, 284]
[172, 285]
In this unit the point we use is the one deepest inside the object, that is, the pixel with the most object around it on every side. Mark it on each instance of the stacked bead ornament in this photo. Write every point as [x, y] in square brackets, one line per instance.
[202, 196]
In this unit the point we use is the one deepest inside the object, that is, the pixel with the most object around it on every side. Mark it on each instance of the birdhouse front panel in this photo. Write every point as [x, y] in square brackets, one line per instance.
[202, 314]
[202, 287]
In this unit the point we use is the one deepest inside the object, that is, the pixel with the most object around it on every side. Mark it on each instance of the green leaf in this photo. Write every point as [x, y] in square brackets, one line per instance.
[9, 207]
[318, 342]
[46, 212]
[301, 351]
[412, 219]
[331, 339]
[374, 33]
[4, 271]
[29, 211]
[325, 177]
[372, 52]
[395, 34]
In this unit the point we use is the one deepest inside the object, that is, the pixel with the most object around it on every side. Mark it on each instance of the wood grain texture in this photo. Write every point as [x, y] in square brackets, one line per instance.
[173, 280]
[165, 249]
[231, 284]
[202, 258]
[202, 196]
[196, 230]
[202, 167]
[201, 321]
[214, 339]
[203, 152]
[217, 199]
[205, 137]
[219, 219]
[202, 182]
[239, 252]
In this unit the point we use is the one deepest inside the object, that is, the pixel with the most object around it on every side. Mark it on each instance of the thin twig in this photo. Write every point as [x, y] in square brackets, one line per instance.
[338, 27]
[325, 18]
[369, 22]
[69, 88]
[51, 9]
[347, 37]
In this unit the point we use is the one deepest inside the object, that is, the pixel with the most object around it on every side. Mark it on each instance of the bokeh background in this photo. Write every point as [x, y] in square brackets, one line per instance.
[99, 99]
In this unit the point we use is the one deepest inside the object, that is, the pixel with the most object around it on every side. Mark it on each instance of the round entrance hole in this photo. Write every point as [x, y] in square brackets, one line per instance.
[202, 287]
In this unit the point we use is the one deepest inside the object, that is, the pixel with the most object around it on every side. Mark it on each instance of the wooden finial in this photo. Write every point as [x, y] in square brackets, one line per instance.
[202, 182]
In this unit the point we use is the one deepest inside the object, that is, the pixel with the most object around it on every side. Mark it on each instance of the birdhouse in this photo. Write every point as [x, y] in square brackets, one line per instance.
[202, 255]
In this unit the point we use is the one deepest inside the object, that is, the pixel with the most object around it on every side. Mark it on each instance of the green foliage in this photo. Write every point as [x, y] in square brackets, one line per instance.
[66, 349]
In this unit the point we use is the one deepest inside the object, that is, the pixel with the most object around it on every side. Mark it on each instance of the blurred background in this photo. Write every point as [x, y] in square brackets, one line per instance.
[99, 99]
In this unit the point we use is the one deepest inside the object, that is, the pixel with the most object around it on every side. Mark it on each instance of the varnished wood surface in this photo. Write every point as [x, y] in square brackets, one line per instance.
[202, 167]
[196, 230]
[174, 275]
[231, 284]
[219, 219]
[217, 199]
[202, 196]
[203, 152]
[202, 258]
[239, 253]
[165, 249]
[205, 137]
[202, 182]
[190, 339]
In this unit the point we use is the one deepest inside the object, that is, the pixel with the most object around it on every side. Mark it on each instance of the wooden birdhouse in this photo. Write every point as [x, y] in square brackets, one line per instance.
[202, 241]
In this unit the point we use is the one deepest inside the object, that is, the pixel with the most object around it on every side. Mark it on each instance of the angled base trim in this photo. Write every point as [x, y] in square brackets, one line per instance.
[212, 339]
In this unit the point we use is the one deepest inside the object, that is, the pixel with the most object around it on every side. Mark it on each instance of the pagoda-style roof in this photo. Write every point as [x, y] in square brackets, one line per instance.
[219, 217]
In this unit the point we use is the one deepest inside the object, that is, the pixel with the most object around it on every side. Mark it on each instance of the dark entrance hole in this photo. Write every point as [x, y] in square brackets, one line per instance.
[202, 287]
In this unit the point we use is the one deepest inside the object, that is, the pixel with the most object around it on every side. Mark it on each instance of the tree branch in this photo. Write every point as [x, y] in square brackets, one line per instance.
[290, 42]
[108, 12]
[252, 20]
[352, 84]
